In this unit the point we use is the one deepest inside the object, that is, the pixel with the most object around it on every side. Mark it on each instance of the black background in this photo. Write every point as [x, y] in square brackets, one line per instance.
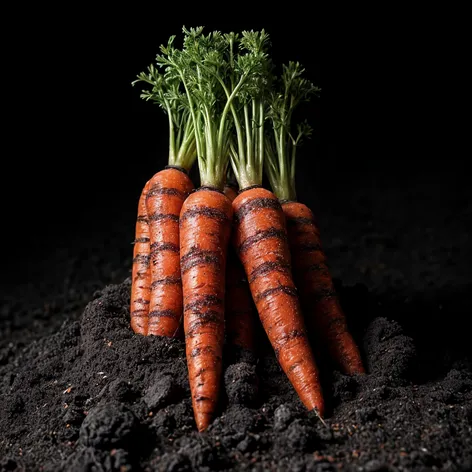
[80, 143]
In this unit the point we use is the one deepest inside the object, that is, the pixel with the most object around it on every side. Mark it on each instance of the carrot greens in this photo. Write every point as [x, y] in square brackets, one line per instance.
[248, 112]
[213, 75]
[281, 148]
[166, 92]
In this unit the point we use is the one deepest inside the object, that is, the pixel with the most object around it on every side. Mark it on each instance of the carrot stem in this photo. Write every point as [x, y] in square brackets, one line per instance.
[281, 148]
[165, 92]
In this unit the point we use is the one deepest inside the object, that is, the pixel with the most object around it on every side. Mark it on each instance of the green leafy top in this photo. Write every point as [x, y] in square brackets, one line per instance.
[167, 93]
[249, 112]
[214, 74]
[281, 148]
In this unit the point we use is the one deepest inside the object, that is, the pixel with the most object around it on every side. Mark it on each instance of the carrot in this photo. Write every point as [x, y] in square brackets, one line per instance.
[260, 239]
[205, 230]
[231, 190]
[156, 288]
[323, 312]
[141, 273]
[240, 313]
[206, 216]
[317, 292]
[167, 192]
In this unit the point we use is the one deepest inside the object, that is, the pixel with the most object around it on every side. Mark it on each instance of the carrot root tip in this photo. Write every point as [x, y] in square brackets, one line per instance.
[316, 414]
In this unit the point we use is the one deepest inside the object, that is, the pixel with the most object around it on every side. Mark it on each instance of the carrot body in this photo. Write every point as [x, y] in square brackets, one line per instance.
[166, 194]
[156, 291]
[205, 227]
[260, 238]
[240, 311]
[317, 294]
[141, 272]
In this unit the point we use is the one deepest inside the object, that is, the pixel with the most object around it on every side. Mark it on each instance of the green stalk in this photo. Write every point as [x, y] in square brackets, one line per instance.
[203, 64]
[247, 155]
[172, 138]
[281, 147]
[165, 93]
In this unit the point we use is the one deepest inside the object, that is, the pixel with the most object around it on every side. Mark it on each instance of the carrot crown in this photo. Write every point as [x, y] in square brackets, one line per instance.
[213, 75]
[281, 146]
[166, 92]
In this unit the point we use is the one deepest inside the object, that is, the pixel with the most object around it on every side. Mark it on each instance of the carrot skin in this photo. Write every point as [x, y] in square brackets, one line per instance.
[240, 311]
[260, 238]
[167, 191]
[141, 273]
[324, 315]
[205, 227]
[231, 192]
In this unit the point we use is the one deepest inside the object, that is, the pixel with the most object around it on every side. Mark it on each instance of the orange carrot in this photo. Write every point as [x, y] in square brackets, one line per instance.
[206, 215]
[205, 227]
[156, 287]
[240, 312]
[215, 70]
[324, 315]
[231, 190]
[141, 273]
[167, 191]
[260, 238]
[322, 310]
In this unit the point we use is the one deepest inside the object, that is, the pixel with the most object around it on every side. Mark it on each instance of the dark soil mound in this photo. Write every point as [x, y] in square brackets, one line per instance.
[80, 392]
[93, 396]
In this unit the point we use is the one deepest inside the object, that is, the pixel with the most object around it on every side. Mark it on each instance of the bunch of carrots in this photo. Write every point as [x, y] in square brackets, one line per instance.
[216, 260]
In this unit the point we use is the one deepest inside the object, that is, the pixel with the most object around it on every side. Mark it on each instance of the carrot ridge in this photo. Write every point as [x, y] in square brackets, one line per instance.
[260, 235]
[208, 187]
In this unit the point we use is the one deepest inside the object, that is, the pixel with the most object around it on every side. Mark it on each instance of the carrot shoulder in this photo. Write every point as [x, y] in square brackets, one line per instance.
[141, 273]
[205, 227]
[260, 239]
[166, 194]
[324, 315]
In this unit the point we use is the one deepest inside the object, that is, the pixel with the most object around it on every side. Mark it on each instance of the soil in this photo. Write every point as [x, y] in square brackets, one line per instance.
[81, 392]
